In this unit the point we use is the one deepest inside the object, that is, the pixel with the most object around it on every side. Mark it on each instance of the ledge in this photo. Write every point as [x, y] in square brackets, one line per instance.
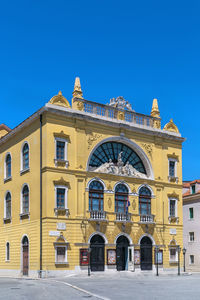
[61, 163]
[7, 179]
[61, 211]
[7, 220]
[24, 215]
[24, 171]
[61, 263]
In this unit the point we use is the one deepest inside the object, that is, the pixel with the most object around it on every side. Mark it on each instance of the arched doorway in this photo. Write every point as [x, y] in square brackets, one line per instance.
[25, 255]
[122, 253]
[97, 245]
[146, 253]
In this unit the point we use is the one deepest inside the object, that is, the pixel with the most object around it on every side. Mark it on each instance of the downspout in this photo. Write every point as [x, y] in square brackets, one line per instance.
[40, 272]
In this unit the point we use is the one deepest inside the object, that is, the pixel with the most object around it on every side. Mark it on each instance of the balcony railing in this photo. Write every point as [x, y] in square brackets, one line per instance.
[112, 112]
[97, 215]
[123, 217]
[146, 219]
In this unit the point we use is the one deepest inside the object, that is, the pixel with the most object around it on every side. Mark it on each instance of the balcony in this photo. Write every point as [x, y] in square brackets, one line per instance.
[116, 113]
[123, 217]
[98, 216]
[147, 219]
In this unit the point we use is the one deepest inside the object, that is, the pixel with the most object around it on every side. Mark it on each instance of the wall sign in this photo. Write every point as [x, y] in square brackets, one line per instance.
[111, 257]
[61, 226]
[136, 257]
[84, 257]
[172, 230]
[54, 233]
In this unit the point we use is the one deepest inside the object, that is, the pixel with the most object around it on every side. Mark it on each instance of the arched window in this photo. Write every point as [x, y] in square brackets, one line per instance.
[96, 196]
[25, 200]
[7, 251]
[144, 201]
[121, 198]
[25, 157]
[8, 206]
[8, 166]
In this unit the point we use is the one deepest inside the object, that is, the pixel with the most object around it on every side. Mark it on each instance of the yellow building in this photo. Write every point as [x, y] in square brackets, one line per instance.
[90, 176]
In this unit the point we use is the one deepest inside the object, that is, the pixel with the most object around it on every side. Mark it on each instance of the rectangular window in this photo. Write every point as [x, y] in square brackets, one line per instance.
[61, 254]
[7, 251]
[193, 189]
[8, 208]
[191, 212]
[60, 197]
[172, 254]
[191, 236]
[191, 259]
[172, 168]
[172, 208]
[60, 150]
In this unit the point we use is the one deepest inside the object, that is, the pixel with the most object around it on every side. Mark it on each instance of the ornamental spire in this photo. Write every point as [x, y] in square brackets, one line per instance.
[77, 93]
[155, 110]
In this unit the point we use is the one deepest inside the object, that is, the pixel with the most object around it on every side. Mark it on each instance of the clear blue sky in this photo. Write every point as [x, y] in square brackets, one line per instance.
[137, 49]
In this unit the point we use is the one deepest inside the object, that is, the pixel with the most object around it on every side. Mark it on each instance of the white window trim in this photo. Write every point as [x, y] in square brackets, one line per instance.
[191, 189]
[21, 160]
[176, 257]
[66, 194]
[5, 205]
[5, 175]
[21, 204]
[175, 169]
[56, 258]
[57, 139]
[7, 243]
[176, 201]
[189, 237]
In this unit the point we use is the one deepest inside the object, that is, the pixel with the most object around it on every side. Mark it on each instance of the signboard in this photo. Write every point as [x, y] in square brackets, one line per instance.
[84, 257]
[160, 257]
[54, 233]
[172, 230]
[136, 257]
[111, 257]
[61, 226]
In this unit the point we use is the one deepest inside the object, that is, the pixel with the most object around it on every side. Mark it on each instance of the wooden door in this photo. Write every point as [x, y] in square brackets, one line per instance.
[25, 260]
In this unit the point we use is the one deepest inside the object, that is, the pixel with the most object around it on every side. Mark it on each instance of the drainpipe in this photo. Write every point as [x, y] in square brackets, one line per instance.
[40, 272]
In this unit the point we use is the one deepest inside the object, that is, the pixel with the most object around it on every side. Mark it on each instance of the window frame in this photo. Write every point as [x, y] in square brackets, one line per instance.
[118, 195]
[66, 196]
[57, 245]
[100, 198]
[22, 207]
[191, 262]
[191, 237]
[191, 209]
[176, 201]
[5, 206]
[175, 168]
[147, 201]
[22, 168]
[58, 160]
[6, 175]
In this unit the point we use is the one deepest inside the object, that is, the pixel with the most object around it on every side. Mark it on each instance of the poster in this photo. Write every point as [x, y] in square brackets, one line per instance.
[160, 257]
[111, 257]
[84, 257]
[136, 257]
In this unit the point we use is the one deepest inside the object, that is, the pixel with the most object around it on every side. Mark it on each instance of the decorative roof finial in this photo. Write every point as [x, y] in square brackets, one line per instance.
[77, 93]
[155, 111]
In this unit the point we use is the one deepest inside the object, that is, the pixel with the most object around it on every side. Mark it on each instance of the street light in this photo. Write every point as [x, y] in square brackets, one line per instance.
[184, 251]
[157, 250]
[179, 250]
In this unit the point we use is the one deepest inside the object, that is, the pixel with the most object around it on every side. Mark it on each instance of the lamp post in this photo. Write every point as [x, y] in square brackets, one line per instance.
[89, 251]
[179, 250]
[184, 251]
[157, 250]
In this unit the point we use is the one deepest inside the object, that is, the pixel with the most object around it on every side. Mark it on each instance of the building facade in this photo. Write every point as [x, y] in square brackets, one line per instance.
[191, 227]
[90, 183]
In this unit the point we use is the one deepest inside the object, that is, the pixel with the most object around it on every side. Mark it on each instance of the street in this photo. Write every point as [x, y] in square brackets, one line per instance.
[120, 285]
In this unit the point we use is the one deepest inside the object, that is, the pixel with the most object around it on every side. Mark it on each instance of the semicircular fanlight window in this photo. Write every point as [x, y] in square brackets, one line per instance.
[111, 150]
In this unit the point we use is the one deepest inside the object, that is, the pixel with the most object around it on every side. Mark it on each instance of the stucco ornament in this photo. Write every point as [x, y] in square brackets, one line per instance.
[92, 138]
[119, 168]
[171, 127]
[120, 103]
[148, 148]
[59, 100]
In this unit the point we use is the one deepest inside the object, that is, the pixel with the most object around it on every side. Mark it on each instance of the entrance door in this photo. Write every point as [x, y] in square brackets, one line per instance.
[97, 253]
[146, 253]
[25, 255]
[122, 253]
